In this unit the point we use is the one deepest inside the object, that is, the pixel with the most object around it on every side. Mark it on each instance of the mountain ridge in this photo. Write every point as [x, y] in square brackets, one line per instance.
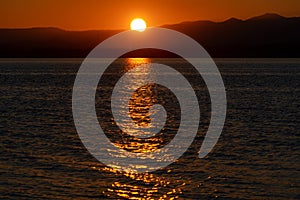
[268, 35]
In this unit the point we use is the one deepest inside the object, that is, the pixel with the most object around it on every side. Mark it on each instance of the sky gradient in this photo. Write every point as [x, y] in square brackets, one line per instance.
[117, 14]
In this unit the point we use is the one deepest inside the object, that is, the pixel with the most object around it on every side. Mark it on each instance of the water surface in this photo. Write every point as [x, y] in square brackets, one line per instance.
[257, 156]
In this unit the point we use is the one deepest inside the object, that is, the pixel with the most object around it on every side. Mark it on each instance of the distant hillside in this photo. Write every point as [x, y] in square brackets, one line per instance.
[269, 35]
[49, 42]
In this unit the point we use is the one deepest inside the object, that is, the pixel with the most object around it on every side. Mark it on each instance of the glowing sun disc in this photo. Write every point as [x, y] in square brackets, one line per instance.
[138, 24]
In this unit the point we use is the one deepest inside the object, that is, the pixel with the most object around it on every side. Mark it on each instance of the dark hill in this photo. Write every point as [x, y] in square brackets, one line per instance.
[269, 35]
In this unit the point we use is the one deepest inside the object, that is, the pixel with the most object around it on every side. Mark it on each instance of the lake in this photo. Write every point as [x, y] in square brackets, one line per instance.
[256, 157]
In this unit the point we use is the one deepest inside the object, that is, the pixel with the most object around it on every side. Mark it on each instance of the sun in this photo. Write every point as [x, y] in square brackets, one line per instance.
[138, 24]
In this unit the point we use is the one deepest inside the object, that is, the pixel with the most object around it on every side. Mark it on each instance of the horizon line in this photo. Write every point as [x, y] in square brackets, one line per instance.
[169, 24]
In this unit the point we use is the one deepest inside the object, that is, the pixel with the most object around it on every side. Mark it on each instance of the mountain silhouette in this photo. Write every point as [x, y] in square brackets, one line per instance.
[268, 35]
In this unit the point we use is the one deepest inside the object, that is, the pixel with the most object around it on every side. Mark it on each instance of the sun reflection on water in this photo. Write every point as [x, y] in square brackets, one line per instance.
[140, 109]
[129, 184]
[143, 186]
[130, 63]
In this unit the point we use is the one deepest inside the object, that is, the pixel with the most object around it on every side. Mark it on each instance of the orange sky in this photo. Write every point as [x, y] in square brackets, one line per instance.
[117, 14]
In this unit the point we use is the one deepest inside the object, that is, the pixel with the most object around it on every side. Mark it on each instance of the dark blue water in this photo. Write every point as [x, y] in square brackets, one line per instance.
[257, 156]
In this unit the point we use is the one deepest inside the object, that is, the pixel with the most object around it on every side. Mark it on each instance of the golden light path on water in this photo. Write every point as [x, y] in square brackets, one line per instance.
[166, 183]
[133, 62]
[139, 109]
[145, 185]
